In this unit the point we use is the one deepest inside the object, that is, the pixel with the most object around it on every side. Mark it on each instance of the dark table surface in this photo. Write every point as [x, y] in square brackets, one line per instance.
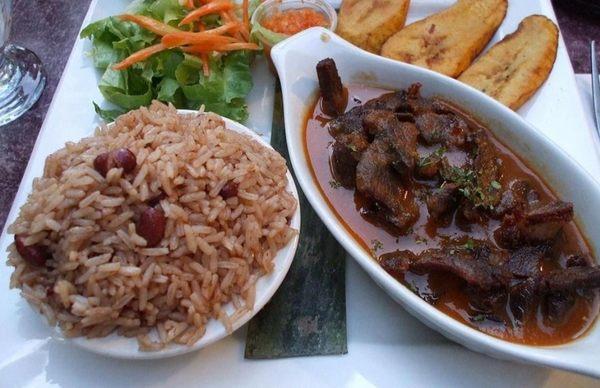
[53, 46]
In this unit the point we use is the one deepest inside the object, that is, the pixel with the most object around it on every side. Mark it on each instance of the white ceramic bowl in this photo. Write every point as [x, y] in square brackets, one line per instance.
[127, 348]
[295, 60]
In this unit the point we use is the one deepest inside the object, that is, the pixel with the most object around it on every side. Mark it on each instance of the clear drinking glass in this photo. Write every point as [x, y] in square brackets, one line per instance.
[22, 78]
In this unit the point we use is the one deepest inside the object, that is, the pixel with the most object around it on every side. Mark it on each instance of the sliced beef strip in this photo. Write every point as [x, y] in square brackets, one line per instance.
[349, 122]
[522, 298]
[577, 261]
[376, 179]
[538, 225]
[397, 263]
[442, 202]
[343, 165]
[447, 129]
[495, 273]
[487, 171]
[571, 279]
[470, 265]
[332, 91]
[407, 103]
[518, 197]
[401, 136]
[525, 262]
[557, 306]
[394, 101]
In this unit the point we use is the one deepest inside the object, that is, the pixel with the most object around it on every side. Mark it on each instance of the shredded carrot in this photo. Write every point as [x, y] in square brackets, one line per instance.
[139, 56]
[214, 35]
[246, 17]
[212, 7]
[243, 31]
[205, 48]
[231, 36]
[227, 19]
[204, 56]
[150, 24]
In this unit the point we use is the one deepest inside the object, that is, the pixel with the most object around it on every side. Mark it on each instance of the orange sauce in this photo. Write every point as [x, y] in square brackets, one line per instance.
[450, 297]
[292, 21]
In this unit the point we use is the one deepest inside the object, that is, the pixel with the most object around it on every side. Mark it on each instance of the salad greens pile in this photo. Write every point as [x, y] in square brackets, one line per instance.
[169, 76]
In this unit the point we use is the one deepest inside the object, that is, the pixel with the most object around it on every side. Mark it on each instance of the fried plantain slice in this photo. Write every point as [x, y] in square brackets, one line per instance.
[447, 42]
[515, 68]
[368, 23]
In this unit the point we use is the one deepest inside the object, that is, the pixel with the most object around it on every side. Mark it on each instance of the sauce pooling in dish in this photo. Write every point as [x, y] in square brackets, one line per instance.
[454, 215]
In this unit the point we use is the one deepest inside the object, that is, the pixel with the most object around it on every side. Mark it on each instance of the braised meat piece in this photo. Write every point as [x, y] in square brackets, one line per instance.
[536, 226]
[343, 165]
[395, 102]
[487, 171]
[397, 263]
[525, 262]
[522, 298]
[447, 129]
[349, 122]
[401, 136]
[333, 92]
[407, 103]
[495, 273]
[571, 279]
[442, 202]
[480, 267]
[376, 179]
[557, 306]
[517, 198]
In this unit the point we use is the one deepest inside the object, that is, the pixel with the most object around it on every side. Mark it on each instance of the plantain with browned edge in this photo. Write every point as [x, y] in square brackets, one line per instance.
[368, 23]
[515, 68]
[448, 41]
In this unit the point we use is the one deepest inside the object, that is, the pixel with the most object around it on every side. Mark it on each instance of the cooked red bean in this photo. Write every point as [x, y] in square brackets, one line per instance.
[119, 158]
[101, 163]
[154, 201]
[229, 190]
[125, 159]
[35, 255]
[151, 226]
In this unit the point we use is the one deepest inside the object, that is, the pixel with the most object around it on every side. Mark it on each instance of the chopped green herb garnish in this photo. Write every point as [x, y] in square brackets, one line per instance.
[352, 147]
[376, 246]
[470, 244]
[413, 288]
[478, 318]
[421, 240]
[335, 184]
[433, 157]
[496, 185]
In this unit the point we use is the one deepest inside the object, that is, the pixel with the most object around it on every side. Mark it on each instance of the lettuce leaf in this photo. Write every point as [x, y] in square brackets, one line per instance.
[108, 115]
[169, 76]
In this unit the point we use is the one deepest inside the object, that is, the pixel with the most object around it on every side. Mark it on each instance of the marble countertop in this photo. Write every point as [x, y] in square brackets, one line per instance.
[17, 139]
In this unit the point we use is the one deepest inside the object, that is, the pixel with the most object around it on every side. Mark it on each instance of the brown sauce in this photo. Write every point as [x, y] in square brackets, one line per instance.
[450, 297]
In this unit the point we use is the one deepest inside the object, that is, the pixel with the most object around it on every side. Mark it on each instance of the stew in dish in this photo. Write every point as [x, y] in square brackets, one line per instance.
[451, 212]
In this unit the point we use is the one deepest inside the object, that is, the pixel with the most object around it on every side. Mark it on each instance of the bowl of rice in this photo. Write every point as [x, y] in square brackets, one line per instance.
[160, 234]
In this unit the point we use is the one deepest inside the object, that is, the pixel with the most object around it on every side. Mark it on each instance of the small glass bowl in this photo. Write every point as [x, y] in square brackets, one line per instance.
[269, 7]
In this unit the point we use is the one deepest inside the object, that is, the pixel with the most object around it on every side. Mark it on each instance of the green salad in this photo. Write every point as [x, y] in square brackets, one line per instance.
[184, 75]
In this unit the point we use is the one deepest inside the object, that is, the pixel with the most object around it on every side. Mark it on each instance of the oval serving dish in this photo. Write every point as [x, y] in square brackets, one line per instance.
[296, 67]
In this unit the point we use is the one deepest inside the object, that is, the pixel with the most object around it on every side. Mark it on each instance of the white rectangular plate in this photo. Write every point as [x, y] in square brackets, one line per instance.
[387, 346]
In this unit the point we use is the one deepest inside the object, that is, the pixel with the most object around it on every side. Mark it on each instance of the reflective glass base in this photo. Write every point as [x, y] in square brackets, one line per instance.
[22, 81]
